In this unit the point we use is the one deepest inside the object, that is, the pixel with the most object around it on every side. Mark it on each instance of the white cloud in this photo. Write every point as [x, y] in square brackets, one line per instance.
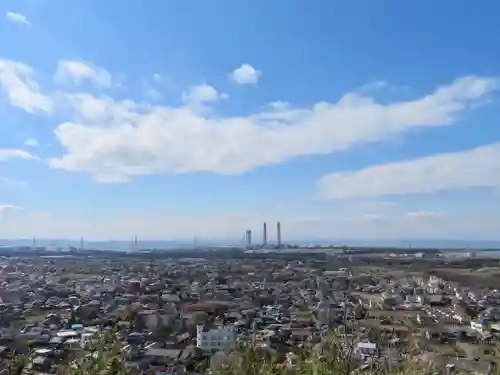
[424, 214]
[115, 140]
[201, 94]
[199, 98]
[476, 168]
[163, 139]
[12, 153]
[245, 75]
[152, 93]
[77, 71]
[157, 78]
[17, 80]
[163, 81]
[155, 87]
[279, 105]
[17, 17]
[31, 142]
[8, 207]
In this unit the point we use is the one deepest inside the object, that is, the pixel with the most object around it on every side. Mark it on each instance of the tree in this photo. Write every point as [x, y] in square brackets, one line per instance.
[103, 358]
[17, 364]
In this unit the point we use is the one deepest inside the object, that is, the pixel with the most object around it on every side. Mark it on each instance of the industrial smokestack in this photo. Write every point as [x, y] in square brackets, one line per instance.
[264, 235]
[248, 238]
[278, 233]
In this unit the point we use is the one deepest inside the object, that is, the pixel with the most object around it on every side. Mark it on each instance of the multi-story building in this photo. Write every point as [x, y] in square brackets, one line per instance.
[214, 339]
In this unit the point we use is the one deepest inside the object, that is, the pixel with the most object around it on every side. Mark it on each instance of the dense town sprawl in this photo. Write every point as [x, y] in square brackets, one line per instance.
[193, 310]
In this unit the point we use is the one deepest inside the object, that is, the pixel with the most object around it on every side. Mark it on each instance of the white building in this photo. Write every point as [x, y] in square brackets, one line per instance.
[86, 338]
[215, 339]
[411, 298]
[434, 281]
[479, 326]
[459, 295]
[366, 350]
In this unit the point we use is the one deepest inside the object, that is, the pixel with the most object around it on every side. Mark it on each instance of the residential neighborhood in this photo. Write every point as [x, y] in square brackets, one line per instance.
[196, 313]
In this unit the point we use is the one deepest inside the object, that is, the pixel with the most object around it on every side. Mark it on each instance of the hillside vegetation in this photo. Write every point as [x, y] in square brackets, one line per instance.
[104, 358]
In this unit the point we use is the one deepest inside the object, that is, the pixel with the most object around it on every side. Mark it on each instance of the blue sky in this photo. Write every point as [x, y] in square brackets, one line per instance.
[173, 119]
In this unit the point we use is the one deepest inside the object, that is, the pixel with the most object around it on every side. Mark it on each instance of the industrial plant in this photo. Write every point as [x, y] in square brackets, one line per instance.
[264, 244]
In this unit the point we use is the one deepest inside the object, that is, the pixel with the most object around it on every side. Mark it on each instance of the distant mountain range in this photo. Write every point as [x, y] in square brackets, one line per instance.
[165, 244]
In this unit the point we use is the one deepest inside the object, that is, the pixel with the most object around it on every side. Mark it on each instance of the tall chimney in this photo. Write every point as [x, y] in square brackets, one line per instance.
[248, 238]
[278, 233]
[264, 235]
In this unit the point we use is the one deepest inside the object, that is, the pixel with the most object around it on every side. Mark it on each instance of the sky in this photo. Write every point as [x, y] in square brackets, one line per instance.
[172, 119]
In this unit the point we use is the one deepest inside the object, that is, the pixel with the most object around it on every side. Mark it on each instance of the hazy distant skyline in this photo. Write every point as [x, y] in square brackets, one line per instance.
[187, 118]
[51, 244]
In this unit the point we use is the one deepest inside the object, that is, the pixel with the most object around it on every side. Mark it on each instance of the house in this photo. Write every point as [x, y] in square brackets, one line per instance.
[480, 325]
[214, 339]
[155, 319]
[366, 350]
